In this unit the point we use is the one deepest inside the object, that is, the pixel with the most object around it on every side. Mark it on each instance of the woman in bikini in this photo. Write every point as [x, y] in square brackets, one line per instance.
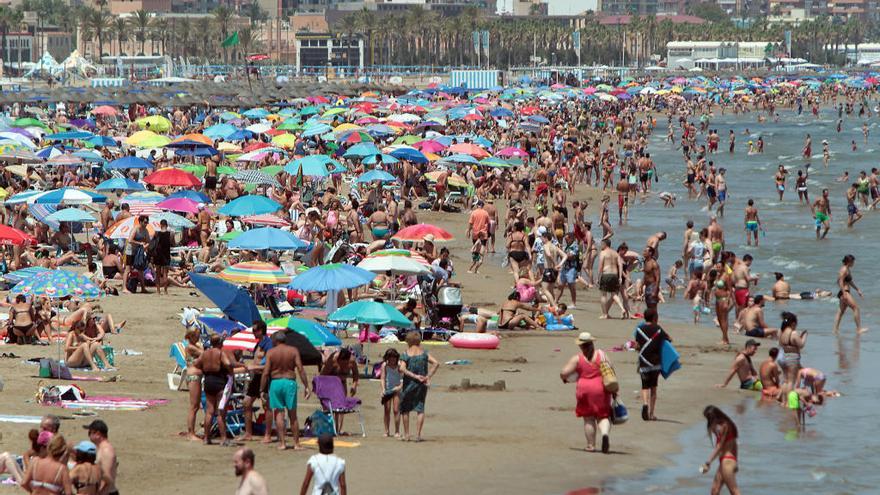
[21, 320]
[725, 432]
[80, 349]
[85, 476]
[49, 476]
[722, 308]
[193, 351]
[792, 343]
[216, 369]
[509, 319]
[844, 295]
[517, 252]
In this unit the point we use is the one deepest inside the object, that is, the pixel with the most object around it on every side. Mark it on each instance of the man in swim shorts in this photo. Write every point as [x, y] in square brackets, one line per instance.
[822, 210]
[743, 368]
[283, 364]
[609, 276]
[753, 322]
[752, 222]
[742, 278]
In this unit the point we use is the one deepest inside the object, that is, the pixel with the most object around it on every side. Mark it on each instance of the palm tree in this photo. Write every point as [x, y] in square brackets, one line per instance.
[99, 23]
[248, 40]
[9, 18]
[255, 13]
[158, 32]
[140, 21]
[222, 18]
[120, 29]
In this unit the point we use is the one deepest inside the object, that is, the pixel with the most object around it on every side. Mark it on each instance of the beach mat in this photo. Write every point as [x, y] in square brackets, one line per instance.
[313, 442]
[19, 419]
[111, 403]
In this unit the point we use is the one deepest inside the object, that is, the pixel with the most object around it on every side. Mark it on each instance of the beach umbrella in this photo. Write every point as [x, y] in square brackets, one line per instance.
[409, 154]
[105, 110]
[376, 175]
[415, 256]
[223, 326]
[230, 235]
[23, 274]
[220, 131]
[317, 334]
[17, 138]
[429, 146]
[194, 138]
[314, 166]
[21, 197]
[198, 197]
[120, 184]
[394, 264]
[495, 162]
[317, 129]
[235, 302]
[255, 272]
[29, 122]
[267, 238]
[71, 215]
[461, 158]
[419, 231]
[68, 136]
[454, 180]
[382, 159]
[174, 220]
[470, 149]
[64, 160]
[265, 219]
[56, 284]
[182, 205]
[272, 170]
[147, 139]
[172, 177]
[156, 123]
[24, 156]
[123, 228]
[361, 150]
[512, 151]
[246, 342]
[285, 140]
[102, 141]
[370, 313]
[10, 236]
[89, 156]
[50, 152]
[67, 196]
[255, 177]
[151, 197]
[251, 204]
[331, 277]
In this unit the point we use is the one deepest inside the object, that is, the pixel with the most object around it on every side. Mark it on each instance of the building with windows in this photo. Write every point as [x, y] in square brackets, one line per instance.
[318, 52]
[18, 48]
[632, 7]
[720, 54]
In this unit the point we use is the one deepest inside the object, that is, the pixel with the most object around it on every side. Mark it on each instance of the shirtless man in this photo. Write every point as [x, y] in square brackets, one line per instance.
[753, 322]
[107, 215]
[770, 371]
[781, 288]
[743, 367]
[252, 482]
[623, 191]
[106, 456]
[721, 190]
[206, 224]
[283, 364]
[742, 279]
[211, 178]
[752, 222]
[651, 278]
[852, 209]
[492, 210]
[653, 242]
[716, 237]
[610, 278]
[821, 209]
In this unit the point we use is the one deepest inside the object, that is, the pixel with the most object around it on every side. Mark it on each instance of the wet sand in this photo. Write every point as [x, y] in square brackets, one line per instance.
[524, 439]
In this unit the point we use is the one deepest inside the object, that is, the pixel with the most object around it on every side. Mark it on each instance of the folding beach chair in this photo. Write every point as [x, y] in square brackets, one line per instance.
[177, 377]
[331, 395]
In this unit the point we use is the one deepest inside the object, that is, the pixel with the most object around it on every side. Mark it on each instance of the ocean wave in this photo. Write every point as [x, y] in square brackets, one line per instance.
[789, 264]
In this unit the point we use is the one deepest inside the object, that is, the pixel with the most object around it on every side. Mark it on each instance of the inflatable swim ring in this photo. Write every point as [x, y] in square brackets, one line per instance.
[474, 341]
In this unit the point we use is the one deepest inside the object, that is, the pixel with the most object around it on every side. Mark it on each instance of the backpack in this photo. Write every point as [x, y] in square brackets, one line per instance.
[319, 423]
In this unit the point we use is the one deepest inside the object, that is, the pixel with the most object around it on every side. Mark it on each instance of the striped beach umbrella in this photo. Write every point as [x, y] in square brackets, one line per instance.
[266, 219]
[255, 177]
[419, 231]
[123, 228]
[254, 272]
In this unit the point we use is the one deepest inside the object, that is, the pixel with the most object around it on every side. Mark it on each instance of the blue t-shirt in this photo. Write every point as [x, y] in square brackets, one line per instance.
[265, 344]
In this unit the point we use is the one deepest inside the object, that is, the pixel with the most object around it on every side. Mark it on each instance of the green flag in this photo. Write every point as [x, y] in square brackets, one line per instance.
[232, 40]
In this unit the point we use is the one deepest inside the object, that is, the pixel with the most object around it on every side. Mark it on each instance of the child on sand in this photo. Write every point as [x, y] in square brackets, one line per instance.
[477, 252]
[391, 386]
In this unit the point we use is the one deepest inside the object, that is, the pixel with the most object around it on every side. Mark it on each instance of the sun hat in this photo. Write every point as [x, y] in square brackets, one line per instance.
[585, 337]
[429, 238]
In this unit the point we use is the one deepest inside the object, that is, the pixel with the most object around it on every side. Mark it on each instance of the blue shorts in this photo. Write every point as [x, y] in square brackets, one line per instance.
[282, 394]
[752, 226]
[722, 195]
[568, 276]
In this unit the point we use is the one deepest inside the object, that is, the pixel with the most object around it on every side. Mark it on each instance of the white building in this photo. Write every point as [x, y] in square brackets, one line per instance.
[862, 54]
[715, 54]
[571, 7]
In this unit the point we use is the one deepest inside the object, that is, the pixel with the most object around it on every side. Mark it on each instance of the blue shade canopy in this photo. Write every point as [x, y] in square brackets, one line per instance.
[127, 162]
[235, 302]
[267, 238]
[249, 205]
[120, 184]
[334, 276]
[371, 313]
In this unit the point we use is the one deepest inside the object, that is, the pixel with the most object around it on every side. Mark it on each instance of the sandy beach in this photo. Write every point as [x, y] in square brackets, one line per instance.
[524, 439]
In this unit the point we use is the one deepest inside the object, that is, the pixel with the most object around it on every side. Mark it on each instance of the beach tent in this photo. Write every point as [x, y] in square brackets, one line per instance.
[46, 65]
[76, 64]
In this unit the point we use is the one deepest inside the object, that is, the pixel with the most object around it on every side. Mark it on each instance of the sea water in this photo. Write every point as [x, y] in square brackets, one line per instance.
[838, 452]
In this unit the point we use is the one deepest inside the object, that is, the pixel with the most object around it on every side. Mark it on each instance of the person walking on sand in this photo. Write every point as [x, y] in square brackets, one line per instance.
[326, 470]
[844, 295]
[283, 364]
[649, 337]
[725, 432]
[418, 367]
[593, 400]
[609, 278]
[252, 482]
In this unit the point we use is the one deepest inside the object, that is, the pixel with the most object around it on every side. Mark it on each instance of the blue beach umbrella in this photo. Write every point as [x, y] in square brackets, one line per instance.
[383, 158]
[376, 175]
[334, 276]
[68, 196]
[56, 284]
[197, 196]
[249, 205]
[235, 302]
[266, 238]
[361, 150]
[71, 215]
[410, 154]
[102, 141]
[89, 156]
[370, 313]
[120, 184]
[69, 136]
[314, 166]
[128, 162]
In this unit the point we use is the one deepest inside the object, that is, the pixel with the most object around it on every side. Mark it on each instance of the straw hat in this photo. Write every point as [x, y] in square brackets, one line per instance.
[585, 337]
[429, 238]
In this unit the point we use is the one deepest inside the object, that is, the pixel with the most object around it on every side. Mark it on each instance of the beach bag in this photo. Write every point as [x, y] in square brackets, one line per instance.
[619, 414]
[319, 423]
[140, 257]
[609, 377]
